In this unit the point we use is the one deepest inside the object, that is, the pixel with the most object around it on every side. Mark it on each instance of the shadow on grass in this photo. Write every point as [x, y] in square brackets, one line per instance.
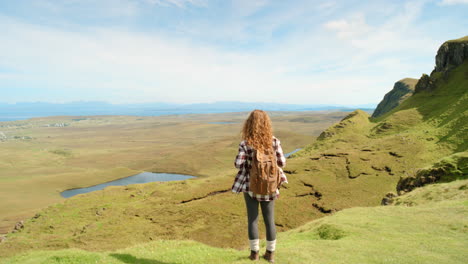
[127, 258]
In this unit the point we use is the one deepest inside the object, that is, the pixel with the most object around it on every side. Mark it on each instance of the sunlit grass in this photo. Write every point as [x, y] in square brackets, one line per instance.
[431, 232]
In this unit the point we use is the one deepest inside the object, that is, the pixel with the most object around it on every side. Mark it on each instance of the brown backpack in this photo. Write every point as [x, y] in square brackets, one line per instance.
[264, 173]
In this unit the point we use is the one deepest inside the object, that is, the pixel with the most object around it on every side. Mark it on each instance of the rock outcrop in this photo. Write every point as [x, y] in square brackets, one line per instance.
[450, 55]
[425, 83]
[448, 169]
[401, 91]
[388, 199]
[18, 226]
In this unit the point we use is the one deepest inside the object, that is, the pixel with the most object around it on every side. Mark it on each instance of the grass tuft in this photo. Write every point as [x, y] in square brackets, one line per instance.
[330, 232]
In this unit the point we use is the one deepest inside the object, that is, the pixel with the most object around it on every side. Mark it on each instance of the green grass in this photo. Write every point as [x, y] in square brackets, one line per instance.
[402, 89]
[430, 231]
[63, 152]
[336, 180]
[355, 165]
[97, 149]
[449, 168]
[463, 39]
[444, 110]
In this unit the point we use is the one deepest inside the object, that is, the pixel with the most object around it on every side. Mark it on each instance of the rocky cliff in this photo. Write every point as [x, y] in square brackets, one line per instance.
[450, 55]
[401, 91]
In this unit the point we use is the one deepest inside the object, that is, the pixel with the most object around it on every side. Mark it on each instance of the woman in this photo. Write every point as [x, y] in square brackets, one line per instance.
[257, 136]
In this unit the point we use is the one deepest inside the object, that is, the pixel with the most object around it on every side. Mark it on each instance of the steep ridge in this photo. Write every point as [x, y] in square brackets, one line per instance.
[357, 122]
[402, 89]
[449, 56]
[353, 163]
[440, 100]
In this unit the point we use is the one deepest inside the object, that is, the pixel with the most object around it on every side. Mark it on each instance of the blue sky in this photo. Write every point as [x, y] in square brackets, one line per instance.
[190, 51]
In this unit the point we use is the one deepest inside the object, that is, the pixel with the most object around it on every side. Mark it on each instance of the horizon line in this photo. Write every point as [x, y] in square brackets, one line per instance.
[185, 104]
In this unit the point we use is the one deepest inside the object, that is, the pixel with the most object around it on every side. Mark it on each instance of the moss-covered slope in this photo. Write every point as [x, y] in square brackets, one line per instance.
[428, 225]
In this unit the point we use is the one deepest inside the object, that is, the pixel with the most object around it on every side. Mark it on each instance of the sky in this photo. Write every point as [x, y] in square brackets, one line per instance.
[194, 51]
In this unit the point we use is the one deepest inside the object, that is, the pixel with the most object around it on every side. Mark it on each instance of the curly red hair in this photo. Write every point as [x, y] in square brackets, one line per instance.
[257, 130]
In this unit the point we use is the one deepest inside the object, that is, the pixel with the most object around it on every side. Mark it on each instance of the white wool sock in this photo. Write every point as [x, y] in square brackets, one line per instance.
[271, 245]
[254, 244]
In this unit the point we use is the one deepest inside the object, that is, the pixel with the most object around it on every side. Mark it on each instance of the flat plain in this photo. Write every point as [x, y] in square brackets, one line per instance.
[41, 157]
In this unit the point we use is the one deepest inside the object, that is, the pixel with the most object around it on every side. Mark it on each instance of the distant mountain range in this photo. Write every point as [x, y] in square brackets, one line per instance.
[17, 111]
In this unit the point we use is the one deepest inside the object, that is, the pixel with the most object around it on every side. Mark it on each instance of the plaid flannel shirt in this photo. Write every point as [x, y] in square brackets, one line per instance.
[243, 161]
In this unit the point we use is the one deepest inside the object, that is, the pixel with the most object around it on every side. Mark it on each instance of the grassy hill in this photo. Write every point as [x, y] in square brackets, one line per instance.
[428, 225]
[338, 180]
[402, 89]
[442, 111]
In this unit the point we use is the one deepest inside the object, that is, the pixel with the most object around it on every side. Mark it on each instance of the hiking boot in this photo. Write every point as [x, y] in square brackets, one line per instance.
[269, 256]
[253, 255]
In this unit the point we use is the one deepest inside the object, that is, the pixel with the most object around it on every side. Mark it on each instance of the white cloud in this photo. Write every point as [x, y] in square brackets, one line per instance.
[325, 59]
[453, 2]
[397, 34]
[125, 62]
[128, 66]
[354, 27]
[87, 8]
[178, 3]
[327, 5]
[247, 7]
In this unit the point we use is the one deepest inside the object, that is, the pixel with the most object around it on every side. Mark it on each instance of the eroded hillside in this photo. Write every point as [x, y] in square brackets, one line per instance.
[427, 225]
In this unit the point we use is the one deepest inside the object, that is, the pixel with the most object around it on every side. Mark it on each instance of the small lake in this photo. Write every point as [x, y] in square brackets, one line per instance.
[144, 177]
[292, 152]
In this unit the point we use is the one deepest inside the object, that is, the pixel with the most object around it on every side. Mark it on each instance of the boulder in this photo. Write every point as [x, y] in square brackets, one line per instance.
[388, 199]
[19, 225]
